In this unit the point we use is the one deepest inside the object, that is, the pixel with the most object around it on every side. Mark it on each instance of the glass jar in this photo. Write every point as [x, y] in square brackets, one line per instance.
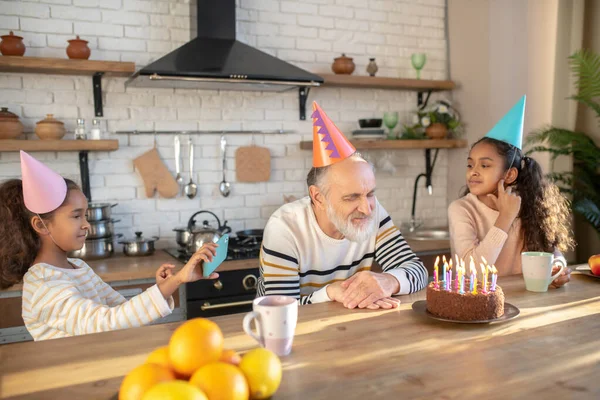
[80, 132]
[96, 131]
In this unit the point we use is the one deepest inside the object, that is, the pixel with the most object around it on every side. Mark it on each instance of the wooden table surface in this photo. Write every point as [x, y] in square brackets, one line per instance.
[551, 351]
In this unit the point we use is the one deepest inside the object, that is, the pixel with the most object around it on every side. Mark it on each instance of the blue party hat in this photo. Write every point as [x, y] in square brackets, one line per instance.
[510, 128]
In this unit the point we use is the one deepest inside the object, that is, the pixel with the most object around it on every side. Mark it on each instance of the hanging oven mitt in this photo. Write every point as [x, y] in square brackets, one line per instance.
[155, 174]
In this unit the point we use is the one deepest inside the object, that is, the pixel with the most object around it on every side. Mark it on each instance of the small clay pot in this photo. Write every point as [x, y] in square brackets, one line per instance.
[10, 126]
[12, 45]
[78, 49]
[436, 131]
[343, 65]
[50, 128]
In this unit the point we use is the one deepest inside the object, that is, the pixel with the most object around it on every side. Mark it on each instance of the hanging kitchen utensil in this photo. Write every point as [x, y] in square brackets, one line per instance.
[224, 186]
[205, 233]
[155, 174]
[178, 177]
[191, 189]
[252, 164]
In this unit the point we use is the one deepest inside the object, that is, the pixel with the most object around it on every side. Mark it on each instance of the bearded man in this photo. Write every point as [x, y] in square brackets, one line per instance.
[322, 247]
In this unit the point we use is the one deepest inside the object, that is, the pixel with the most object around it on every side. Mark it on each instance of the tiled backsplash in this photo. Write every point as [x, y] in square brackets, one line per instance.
[309, 34]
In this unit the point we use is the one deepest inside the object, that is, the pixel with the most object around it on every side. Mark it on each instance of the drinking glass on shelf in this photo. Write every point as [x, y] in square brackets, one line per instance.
[418, 62]
[390, 119]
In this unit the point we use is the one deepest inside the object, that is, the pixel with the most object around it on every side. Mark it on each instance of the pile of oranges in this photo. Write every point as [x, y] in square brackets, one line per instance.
[195, 366]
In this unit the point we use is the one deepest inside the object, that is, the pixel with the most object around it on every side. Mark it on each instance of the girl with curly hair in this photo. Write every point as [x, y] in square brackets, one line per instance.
[507, 208]
[42, 219]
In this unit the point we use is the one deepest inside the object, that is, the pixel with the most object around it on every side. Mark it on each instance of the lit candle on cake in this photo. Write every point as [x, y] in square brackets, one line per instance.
[444, 267]
[483, 279]
[435, 272]
[462, 280]
[494, 278]
[484, 260]
[473, 274]
[449, 277]
[474, 284]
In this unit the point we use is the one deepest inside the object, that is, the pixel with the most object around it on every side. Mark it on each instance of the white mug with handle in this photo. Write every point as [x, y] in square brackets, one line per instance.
[537, 270]
[275, 320]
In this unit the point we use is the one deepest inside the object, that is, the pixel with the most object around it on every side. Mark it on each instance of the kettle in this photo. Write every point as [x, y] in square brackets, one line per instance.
[204, 233]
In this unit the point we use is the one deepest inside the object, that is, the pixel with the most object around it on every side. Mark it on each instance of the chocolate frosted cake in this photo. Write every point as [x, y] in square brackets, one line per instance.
[467, 306]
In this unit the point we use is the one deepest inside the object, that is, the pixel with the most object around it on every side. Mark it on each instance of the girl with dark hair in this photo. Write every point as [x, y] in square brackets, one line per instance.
[42, 219]
[507, 208]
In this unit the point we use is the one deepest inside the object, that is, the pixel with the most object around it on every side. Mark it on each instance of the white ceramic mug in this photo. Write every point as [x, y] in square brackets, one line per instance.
[275, 320]
[537, 270]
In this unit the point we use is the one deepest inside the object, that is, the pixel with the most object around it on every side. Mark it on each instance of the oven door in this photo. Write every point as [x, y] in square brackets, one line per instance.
[213, 307]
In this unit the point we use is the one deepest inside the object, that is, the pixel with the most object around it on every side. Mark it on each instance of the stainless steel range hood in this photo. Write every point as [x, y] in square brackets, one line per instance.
[216, 60]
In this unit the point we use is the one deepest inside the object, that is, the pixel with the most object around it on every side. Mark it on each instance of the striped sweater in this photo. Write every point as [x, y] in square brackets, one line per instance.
[60, 302]
[298, 259]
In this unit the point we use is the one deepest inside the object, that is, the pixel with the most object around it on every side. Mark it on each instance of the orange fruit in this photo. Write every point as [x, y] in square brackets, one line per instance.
[142, 378]
[160, 356]
[174, 390]
[221, 381]
[194, 344]
[262, 369]
[231, 357]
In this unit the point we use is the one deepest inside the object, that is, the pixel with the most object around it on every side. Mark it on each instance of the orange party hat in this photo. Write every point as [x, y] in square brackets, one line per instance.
[329, 143]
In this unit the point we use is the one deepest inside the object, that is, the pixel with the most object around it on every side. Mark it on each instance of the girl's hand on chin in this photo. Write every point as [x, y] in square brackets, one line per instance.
[507, 202]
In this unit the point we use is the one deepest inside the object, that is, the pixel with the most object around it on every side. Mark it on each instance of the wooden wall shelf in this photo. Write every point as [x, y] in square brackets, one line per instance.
[373, 82]
[399, 144]
[65, 66]
[59, 145]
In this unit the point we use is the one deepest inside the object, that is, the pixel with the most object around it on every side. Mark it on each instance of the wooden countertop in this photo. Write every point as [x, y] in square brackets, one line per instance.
[552, 350]
[123, 268]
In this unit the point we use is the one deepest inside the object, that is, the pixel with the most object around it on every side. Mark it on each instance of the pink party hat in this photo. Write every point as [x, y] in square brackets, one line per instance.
[43, 189]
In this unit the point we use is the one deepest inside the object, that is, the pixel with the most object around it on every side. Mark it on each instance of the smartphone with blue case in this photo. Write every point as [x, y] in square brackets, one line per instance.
[209, 267]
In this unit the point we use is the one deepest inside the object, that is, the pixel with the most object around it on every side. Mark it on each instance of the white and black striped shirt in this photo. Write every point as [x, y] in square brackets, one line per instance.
[298, 259]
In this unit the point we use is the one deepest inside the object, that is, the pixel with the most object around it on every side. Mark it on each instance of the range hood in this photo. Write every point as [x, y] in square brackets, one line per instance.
[216, 60]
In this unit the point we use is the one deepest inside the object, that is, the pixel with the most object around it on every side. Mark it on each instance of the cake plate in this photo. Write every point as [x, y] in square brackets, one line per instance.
[510, 312]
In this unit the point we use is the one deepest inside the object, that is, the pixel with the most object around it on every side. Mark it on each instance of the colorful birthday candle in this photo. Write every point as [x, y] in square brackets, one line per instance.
[462, 283]
[449, 277]
[483, 279]
[444, 267]
[474, 284]
[435, 272]
[473, 274]
[494, 278]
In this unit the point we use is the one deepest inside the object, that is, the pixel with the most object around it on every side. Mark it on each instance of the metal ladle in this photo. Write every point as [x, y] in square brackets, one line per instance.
[224, 186]
[191, 189]
[179, 177]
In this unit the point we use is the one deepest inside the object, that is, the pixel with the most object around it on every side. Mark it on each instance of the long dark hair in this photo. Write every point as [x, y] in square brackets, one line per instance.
[19, 243]
[544, 210]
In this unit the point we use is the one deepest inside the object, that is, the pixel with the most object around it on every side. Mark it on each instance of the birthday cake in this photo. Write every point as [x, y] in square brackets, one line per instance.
[466, 306]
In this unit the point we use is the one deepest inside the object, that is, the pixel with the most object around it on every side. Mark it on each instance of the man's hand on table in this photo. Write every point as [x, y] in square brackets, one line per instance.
[366, 290]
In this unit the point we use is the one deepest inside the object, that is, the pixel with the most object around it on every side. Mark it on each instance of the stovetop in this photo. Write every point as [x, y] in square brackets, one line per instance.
[237, 250]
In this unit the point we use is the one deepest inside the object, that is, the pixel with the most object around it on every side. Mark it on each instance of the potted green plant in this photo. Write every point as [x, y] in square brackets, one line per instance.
[434, 122]
[583, 183]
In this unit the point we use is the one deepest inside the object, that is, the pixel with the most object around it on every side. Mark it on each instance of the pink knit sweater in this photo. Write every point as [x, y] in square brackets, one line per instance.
[472, 233]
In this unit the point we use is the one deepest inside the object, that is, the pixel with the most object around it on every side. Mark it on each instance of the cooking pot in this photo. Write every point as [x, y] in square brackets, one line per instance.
[95, 249]
[205, 233]
[138, 246]
[101, 229]
[99, 211]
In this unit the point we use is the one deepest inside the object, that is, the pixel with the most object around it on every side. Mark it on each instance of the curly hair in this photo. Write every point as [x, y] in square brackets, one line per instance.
[544, 210]
[20, 243]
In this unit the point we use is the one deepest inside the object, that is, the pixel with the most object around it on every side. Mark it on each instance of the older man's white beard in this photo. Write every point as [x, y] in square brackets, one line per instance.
[348, 229]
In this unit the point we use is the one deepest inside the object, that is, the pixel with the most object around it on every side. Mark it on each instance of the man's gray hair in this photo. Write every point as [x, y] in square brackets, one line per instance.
[317, 176]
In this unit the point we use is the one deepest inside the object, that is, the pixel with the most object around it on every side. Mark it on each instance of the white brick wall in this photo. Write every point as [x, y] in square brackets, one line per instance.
[307, 33]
